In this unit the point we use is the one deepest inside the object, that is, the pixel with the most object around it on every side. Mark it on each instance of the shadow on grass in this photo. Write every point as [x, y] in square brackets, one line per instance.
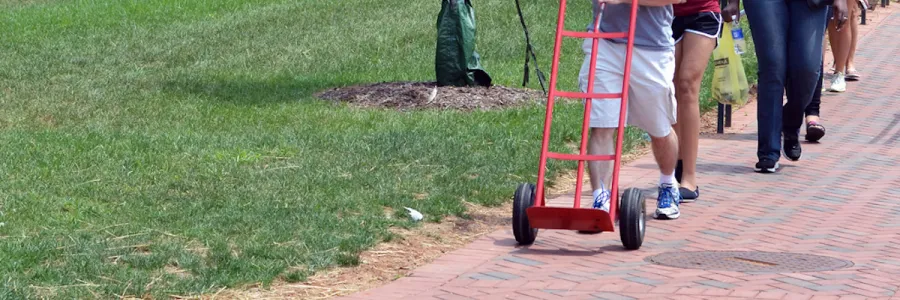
[246, 90]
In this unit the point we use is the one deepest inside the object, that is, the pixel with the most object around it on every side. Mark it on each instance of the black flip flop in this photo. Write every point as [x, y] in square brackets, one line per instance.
[688, 196]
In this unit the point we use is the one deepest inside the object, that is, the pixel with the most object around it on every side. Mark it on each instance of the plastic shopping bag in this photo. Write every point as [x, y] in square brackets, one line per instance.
[729, 83]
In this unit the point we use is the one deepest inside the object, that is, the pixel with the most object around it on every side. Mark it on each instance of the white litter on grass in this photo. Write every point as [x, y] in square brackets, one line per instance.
[433, 95]
[414, 214]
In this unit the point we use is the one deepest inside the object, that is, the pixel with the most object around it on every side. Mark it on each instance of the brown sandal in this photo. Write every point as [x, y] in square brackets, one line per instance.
[814, 131]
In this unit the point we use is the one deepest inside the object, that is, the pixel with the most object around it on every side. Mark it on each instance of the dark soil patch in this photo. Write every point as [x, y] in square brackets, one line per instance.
[427, 95]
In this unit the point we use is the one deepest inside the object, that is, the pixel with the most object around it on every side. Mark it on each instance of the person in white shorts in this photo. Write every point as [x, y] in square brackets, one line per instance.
[651, 95]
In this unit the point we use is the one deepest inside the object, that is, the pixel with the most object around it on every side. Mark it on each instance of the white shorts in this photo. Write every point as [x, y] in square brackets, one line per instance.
[651, 95]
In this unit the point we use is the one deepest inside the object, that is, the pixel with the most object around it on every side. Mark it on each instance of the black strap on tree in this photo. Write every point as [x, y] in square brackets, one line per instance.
[529, 54]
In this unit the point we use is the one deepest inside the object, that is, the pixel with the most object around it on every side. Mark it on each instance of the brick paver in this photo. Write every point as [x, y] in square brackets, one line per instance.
[838, 201]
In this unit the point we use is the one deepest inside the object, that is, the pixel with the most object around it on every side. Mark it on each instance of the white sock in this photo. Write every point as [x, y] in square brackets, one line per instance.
[667, 179]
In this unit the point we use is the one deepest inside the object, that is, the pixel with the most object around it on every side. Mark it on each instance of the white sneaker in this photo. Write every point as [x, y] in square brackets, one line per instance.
[601, 202]
[667, 202]
[838, 83]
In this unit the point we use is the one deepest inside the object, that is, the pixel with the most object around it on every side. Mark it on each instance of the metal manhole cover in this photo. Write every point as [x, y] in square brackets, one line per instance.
[749, 261]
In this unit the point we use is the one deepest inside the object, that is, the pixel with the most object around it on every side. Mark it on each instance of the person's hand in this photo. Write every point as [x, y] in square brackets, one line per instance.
[840, 14]
[732, 9]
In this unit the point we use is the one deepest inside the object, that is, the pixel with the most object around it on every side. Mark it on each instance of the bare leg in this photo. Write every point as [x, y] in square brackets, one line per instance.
[688, 75]
[840, 46]
[665, 150]
[601, 142]
[854, 35]
[678, 56]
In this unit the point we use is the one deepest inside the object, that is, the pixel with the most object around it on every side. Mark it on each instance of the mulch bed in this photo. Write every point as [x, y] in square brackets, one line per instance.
[427, 95]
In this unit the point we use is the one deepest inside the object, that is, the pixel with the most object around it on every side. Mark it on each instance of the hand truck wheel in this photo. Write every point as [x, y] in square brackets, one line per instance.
[523, 199]
[632, 218]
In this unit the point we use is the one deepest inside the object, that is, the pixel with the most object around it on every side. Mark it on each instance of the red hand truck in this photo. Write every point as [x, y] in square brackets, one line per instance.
[530, 210]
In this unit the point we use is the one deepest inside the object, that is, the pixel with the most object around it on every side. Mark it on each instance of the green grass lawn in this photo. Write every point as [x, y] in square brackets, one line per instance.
[144, 137]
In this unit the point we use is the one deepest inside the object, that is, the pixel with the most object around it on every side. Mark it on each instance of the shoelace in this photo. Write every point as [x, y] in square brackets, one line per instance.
[603, 195]
[666, 196]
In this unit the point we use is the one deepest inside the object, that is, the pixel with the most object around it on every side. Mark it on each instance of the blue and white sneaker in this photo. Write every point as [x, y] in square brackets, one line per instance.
[667, 202]
[601, 201]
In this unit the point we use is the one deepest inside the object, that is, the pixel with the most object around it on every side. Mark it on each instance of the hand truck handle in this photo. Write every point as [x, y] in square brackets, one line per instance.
[598, 17]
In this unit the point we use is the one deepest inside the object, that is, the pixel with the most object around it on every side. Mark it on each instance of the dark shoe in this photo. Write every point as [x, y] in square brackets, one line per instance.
[688, 196]
[792, 149]
[852, 75]
[814, 131]
[766, 165]
[678, 170]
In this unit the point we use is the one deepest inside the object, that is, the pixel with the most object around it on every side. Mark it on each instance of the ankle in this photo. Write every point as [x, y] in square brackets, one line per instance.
[688, 181]
[667, 179]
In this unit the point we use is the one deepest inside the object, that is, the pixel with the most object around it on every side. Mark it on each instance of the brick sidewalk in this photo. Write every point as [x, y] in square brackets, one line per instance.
[839, 201]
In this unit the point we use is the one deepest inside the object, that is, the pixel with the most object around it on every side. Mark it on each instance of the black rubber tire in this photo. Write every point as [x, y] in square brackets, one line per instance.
[523, 199]
[632, 218]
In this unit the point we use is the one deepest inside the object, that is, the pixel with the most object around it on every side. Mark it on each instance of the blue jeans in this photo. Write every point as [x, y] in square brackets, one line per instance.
[788, 39]
[813, 108]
